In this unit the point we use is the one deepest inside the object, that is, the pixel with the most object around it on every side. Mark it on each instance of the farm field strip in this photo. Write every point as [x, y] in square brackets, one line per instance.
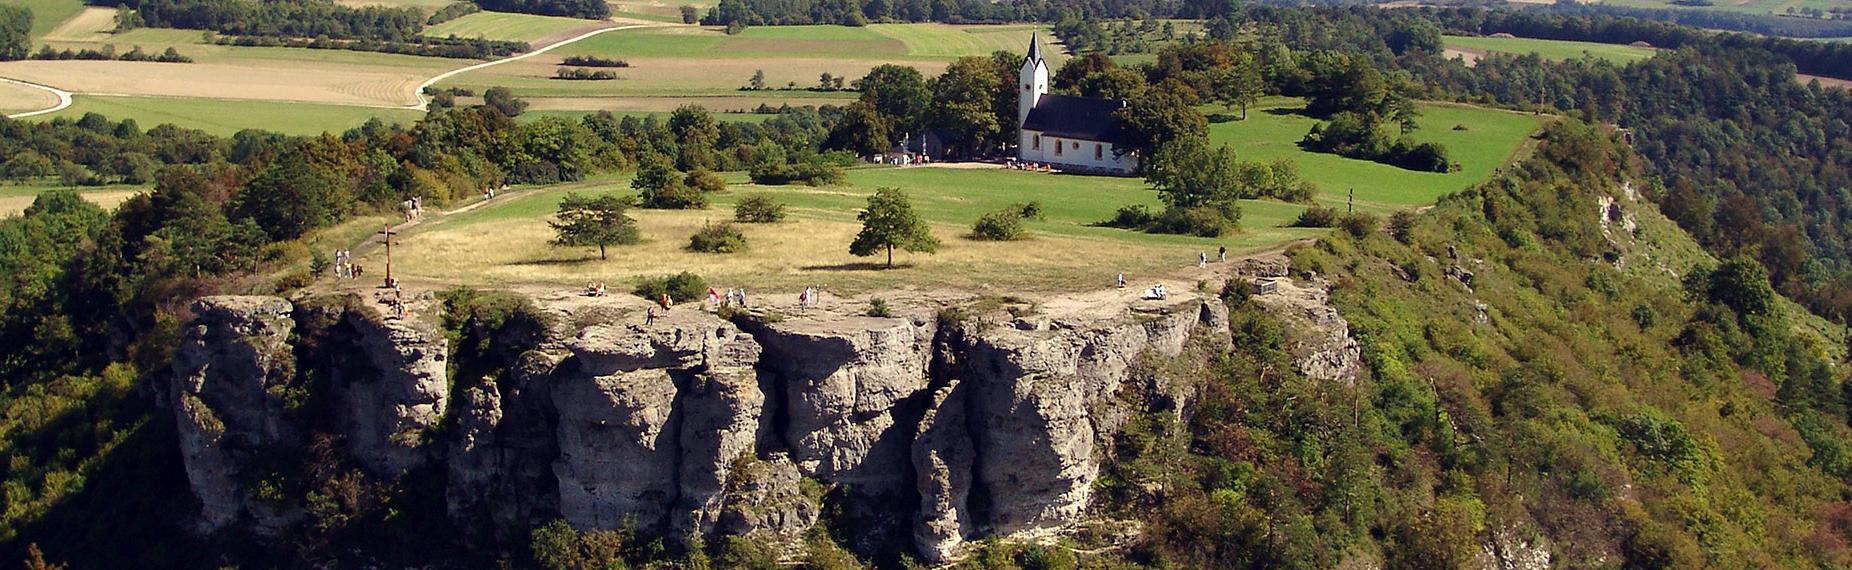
[225, 117]
[507, 26]
[47, 15]
[1554, 50]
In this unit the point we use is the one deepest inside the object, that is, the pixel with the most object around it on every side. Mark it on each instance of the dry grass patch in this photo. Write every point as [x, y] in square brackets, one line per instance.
[664, 104]
[811, 248]
[673, 77]
[277, 81]
[13, 205]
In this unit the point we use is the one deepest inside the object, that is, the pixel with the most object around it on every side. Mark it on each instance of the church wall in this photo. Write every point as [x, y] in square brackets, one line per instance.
[1074, 153]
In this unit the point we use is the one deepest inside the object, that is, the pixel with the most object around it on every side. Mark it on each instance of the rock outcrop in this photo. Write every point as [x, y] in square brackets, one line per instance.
[694, 425]
[231, 373]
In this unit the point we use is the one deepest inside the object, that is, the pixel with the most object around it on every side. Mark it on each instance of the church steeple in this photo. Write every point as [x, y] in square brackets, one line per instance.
[1032, 81]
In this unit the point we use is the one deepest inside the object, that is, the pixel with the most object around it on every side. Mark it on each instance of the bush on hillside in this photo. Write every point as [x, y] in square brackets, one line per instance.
[706, 180]
[718, 238]
[1133, 217]
[759, 208]
[681, 287]
[1002, 225]
[1200, 221]
[1317, 217]
[1358, 224]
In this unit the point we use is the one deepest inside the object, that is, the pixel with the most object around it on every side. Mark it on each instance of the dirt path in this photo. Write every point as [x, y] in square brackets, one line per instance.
[64, 98]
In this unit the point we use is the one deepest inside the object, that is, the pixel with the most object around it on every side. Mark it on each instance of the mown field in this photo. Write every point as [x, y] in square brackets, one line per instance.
[673, 63]
[225, 116]
[1549, 49]
[656, 10]
[15, 98]
[505, 26]
[505, 243]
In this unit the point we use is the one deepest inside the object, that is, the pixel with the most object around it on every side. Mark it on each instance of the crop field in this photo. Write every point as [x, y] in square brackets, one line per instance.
[90, 24]
[15, 98]
[1065, 251]
[1765, 7]
[1274, 127]
[1555, 50]
[14, 199]
[656, 10]
[671, 64]
[505, 26]
[427, 6]
[225, 117]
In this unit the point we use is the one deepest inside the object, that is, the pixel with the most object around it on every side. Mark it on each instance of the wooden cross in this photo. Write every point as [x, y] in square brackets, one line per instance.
[1350, 206]
[387, 231]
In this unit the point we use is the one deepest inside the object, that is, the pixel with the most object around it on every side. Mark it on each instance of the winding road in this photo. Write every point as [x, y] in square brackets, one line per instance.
[64, 97]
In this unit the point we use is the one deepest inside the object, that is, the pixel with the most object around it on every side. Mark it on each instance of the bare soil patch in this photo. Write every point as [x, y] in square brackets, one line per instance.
[1825, 81]
[90, 25]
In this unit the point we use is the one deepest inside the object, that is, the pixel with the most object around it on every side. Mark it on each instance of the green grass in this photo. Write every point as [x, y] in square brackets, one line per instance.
[225, 116]
[47, 14]
[1555, 50]
[531, 116]
[943, 41]
[1274, 127]
[504, 26]
[755, 42]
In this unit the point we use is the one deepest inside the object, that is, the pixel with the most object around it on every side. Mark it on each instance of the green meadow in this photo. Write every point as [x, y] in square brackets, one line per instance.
[1555, 50]
[1486, 140]
[228, 116]
[48, 14]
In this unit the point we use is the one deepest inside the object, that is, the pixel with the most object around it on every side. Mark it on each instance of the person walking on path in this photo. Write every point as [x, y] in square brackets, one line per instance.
[1202, 260]
[666, 302]
[649, 318]
[1121, 279]
[1222, 253]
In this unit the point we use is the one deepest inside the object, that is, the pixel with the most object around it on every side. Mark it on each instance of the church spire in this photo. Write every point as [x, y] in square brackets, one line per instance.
[1035, 47]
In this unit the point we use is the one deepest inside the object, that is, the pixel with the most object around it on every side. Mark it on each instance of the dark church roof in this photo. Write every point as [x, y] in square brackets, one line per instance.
[1071, 117]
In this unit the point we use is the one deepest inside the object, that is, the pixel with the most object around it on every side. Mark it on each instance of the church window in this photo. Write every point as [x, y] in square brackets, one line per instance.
[1036, 142]
[1057, 148]
[1098, 151]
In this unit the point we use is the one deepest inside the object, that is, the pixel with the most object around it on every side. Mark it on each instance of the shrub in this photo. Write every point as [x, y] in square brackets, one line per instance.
[1133, 217]
[718, 238]
[879, 308]
[1317, 217]
[1358, 224]
[690, 14]
[681, 287]
[675, 196]
[1402, 226]
[706, 180]
[1030, 210]
[1202, 221]
[1002, 225]
[758, 208]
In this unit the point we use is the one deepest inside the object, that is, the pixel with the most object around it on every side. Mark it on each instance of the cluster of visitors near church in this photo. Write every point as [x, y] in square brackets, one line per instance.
[344, 266]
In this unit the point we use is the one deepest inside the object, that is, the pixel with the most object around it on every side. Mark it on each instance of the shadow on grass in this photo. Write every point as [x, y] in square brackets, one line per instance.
[1290, 111]
[559, 262]
[857, 266]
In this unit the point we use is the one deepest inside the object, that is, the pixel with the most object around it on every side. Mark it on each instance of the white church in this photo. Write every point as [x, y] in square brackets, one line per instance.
[1070, 133]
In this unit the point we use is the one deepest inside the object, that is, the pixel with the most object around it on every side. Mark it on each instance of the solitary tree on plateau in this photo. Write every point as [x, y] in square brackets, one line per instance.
[593, 220]
[890, 222]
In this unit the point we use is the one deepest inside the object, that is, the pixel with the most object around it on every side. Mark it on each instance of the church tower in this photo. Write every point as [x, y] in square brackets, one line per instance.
[1032, 81]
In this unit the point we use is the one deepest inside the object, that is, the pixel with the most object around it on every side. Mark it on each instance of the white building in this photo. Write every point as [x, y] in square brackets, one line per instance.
[1072, 133]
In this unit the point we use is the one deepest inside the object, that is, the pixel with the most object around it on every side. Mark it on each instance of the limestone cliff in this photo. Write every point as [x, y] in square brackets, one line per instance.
[931, 430]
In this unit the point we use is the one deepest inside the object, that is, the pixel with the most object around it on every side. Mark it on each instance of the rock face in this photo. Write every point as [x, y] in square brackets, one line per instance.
[1323, 348]
[229, 374]
[651, 419]
[392, 392]
[847, 388]
[693, 425]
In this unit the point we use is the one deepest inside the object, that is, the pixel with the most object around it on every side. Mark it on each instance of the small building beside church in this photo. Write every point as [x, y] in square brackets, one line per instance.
[1071, 133]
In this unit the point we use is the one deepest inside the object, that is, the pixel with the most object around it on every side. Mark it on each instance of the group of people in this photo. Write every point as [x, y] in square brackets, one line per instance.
[344, 266]
[1221, 255]
[594, 289]
[732, 298]
[902, 158]
[809, 297]
[1014, 164]
[414, 208]
[394, 300]
[1157, 292]
[488, 192]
